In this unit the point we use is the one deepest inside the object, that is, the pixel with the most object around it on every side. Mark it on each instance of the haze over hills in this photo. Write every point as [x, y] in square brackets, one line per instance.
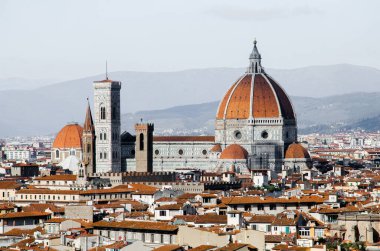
[336, 93]
[327, 114]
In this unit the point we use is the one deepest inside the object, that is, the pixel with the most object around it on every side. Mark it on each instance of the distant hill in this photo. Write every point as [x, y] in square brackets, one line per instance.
[46, 109]
[327, 114]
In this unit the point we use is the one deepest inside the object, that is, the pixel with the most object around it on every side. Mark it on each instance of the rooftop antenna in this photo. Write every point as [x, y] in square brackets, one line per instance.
[106, 70]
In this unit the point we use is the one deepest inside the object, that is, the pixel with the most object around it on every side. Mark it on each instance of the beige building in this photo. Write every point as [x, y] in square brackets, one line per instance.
[217, 236]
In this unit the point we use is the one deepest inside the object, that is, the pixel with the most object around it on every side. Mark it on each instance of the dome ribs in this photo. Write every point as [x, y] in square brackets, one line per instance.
[240, 99]
[264, 100]
[69, 137]
[222, 106]
[285, 104]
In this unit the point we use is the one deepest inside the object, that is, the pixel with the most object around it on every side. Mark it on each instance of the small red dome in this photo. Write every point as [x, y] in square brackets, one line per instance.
[216, 148]
[297, 151]
[70, 136]
[234, 151]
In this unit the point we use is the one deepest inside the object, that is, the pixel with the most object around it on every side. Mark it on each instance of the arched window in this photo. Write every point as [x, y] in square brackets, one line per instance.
[88, 148]
[105, 155]
[102, 112]
[101, 136]
[101, 155]
[104, 136]
[57, 153]
[141, 142]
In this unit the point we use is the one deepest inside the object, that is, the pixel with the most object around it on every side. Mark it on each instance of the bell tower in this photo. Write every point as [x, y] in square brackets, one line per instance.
[88, 142]
[144, 147]
[87, 165]
[107, 125]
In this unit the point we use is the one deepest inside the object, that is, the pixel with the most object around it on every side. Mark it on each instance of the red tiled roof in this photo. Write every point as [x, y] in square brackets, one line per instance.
[297, 151]
[70, 136]
[9, 185]
[137, 225]
[23, 215]
[234, 151]
[64, 177]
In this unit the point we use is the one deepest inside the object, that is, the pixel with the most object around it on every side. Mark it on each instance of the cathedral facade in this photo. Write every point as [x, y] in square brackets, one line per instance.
[254, 126]
[255, 123]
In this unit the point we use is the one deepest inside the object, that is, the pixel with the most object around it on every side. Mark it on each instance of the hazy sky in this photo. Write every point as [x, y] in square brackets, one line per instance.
[69, 39]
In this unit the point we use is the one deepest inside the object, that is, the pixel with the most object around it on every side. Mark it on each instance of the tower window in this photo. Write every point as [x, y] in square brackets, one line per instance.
[101, 155]
[101, 136]
[104, 136]
[113, 112]
[57, 153]
[141, 142]
[102, 113]
[88, 148]
[105, 155]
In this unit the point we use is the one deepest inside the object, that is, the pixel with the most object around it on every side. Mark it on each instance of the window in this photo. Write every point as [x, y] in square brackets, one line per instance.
[113, 112]
[57, 153]
[88, 148]
[104, 136]
[204, 152]
[272, 206]
[264, 134]
[102, 113]
[105, 155]
[101, 156]
[260, 207]
[237, 135]
[141, 142]
[180, 152]
[162, 213]
[101, 136]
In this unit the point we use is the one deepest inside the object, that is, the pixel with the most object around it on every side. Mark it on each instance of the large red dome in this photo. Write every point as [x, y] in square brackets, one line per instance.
[255, 95]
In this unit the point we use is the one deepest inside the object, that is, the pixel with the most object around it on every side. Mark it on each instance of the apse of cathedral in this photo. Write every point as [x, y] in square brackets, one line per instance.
[255, 134]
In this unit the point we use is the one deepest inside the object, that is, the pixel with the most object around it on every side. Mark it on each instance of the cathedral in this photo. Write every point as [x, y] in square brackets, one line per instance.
[255, 133]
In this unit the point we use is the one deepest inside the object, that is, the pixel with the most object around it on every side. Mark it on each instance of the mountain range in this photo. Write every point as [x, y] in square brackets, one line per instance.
[337, 97]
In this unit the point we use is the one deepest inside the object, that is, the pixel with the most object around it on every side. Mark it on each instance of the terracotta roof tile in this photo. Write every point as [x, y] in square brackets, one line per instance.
[70, 136]
[23, 215]
[64, 177]
[234, 151]
[138, 225]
